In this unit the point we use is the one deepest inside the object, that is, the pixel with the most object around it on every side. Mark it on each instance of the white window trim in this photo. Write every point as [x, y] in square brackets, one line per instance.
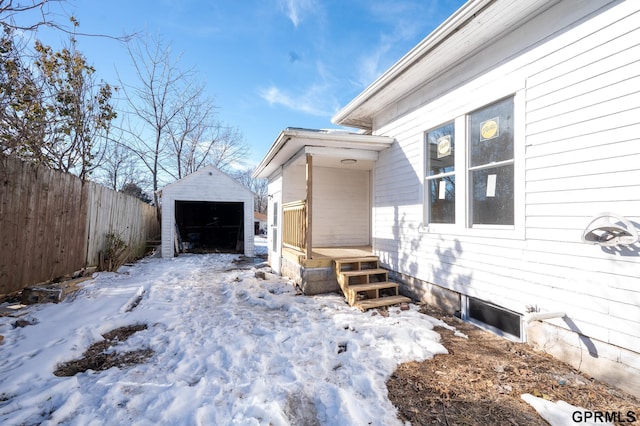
[426, 199]
[463, 225]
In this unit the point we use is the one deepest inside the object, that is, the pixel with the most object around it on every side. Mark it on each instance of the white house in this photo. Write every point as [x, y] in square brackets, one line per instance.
[486, 155]
[207, 211]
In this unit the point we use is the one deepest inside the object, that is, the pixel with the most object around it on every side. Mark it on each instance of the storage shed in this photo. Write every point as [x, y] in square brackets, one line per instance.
[207, 211]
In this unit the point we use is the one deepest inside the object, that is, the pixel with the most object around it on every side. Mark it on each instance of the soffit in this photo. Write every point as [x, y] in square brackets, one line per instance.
[326, 146]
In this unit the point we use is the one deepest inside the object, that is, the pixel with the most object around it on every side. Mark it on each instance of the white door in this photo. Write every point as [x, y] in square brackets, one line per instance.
[274, 235]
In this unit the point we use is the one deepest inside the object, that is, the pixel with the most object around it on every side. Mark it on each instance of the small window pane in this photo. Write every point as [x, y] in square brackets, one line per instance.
[441, 150]
[491, 133]
[275, 214]
[493, 195]
[274, 229]
[442, 200]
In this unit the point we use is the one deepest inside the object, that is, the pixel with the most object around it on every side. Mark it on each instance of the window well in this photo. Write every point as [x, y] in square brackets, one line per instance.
[494, 318]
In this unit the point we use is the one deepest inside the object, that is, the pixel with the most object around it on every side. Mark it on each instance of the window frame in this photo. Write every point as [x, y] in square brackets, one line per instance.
[463, 225]
[427, 178]
[469, 169]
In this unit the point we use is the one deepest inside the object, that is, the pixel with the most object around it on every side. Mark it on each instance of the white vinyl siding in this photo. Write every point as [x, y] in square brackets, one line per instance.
[342, 218]
[577, 154]
[341, 208]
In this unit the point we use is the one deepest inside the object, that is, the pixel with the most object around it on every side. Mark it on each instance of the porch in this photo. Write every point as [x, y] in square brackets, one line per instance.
[297, 239]
[352, 270]
[320, 189]
[324, 257]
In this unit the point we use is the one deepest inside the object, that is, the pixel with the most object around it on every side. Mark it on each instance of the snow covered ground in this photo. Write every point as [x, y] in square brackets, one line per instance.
[229, 348]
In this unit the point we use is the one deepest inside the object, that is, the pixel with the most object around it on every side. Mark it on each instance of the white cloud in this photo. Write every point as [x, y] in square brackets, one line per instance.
[373, 64]
[296, 9]
[315, 100]
[399, 20]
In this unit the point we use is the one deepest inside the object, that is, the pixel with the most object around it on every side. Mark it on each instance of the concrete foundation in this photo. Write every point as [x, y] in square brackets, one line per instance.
[311, 280]
[608, 363]
[446, 300]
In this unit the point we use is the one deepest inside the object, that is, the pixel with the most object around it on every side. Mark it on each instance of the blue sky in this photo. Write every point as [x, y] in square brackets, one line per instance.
[268, 64]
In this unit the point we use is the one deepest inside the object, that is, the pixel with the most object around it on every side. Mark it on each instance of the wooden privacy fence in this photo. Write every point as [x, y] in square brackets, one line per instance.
[53, 224]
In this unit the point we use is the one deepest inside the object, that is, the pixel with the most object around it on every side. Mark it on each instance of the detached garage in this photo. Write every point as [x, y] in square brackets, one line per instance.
[207, 211]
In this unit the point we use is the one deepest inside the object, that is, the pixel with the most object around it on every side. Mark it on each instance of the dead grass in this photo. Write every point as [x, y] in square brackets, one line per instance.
[98, 357]
[481, 379]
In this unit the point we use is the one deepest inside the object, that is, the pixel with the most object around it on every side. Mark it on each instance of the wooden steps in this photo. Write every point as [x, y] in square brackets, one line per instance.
[383, 301]
[365, 284]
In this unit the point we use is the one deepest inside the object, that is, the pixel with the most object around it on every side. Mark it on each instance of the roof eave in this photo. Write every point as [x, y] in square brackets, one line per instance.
[457, 20]
[265, 168]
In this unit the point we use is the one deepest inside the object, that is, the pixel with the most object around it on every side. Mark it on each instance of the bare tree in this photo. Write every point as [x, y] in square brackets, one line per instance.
[154, 101]
[120, 167]
[172, 125]
[210, 143]
[186, 134]
[29, 15]
[257, 186]
[228, 146]
[39, 11]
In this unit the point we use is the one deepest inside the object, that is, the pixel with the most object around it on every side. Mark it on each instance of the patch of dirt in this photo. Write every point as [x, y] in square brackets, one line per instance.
[481, 379]
[98, 358]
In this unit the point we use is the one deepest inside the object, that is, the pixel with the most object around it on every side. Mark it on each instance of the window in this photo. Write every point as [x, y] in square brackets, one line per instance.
[490, 141]
[495, 318]
[440, 179]
[486, 192]
[274, 228]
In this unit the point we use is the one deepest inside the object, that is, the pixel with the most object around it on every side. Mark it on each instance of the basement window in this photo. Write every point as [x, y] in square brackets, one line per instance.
[210, 227]
[493, 318]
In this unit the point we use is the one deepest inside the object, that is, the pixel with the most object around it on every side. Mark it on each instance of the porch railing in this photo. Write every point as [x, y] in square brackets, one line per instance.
[294, 224]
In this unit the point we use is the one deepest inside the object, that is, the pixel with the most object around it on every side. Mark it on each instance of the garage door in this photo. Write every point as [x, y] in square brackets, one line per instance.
[210, 227]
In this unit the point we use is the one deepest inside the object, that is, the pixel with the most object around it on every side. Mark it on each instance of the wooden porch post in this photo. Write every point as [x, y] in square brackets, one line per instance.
[309, 167]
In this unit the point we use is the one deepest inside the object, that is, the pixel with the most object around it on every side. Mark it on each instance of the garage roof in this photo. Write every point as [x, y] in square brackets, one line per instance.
[208, 170]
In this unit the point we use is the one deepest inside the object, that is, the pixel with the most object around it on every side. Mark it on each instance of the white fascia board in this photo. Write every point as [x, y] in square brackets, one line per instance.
[275, 147]
[290, 141]
[356, 154]
[341, 138]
